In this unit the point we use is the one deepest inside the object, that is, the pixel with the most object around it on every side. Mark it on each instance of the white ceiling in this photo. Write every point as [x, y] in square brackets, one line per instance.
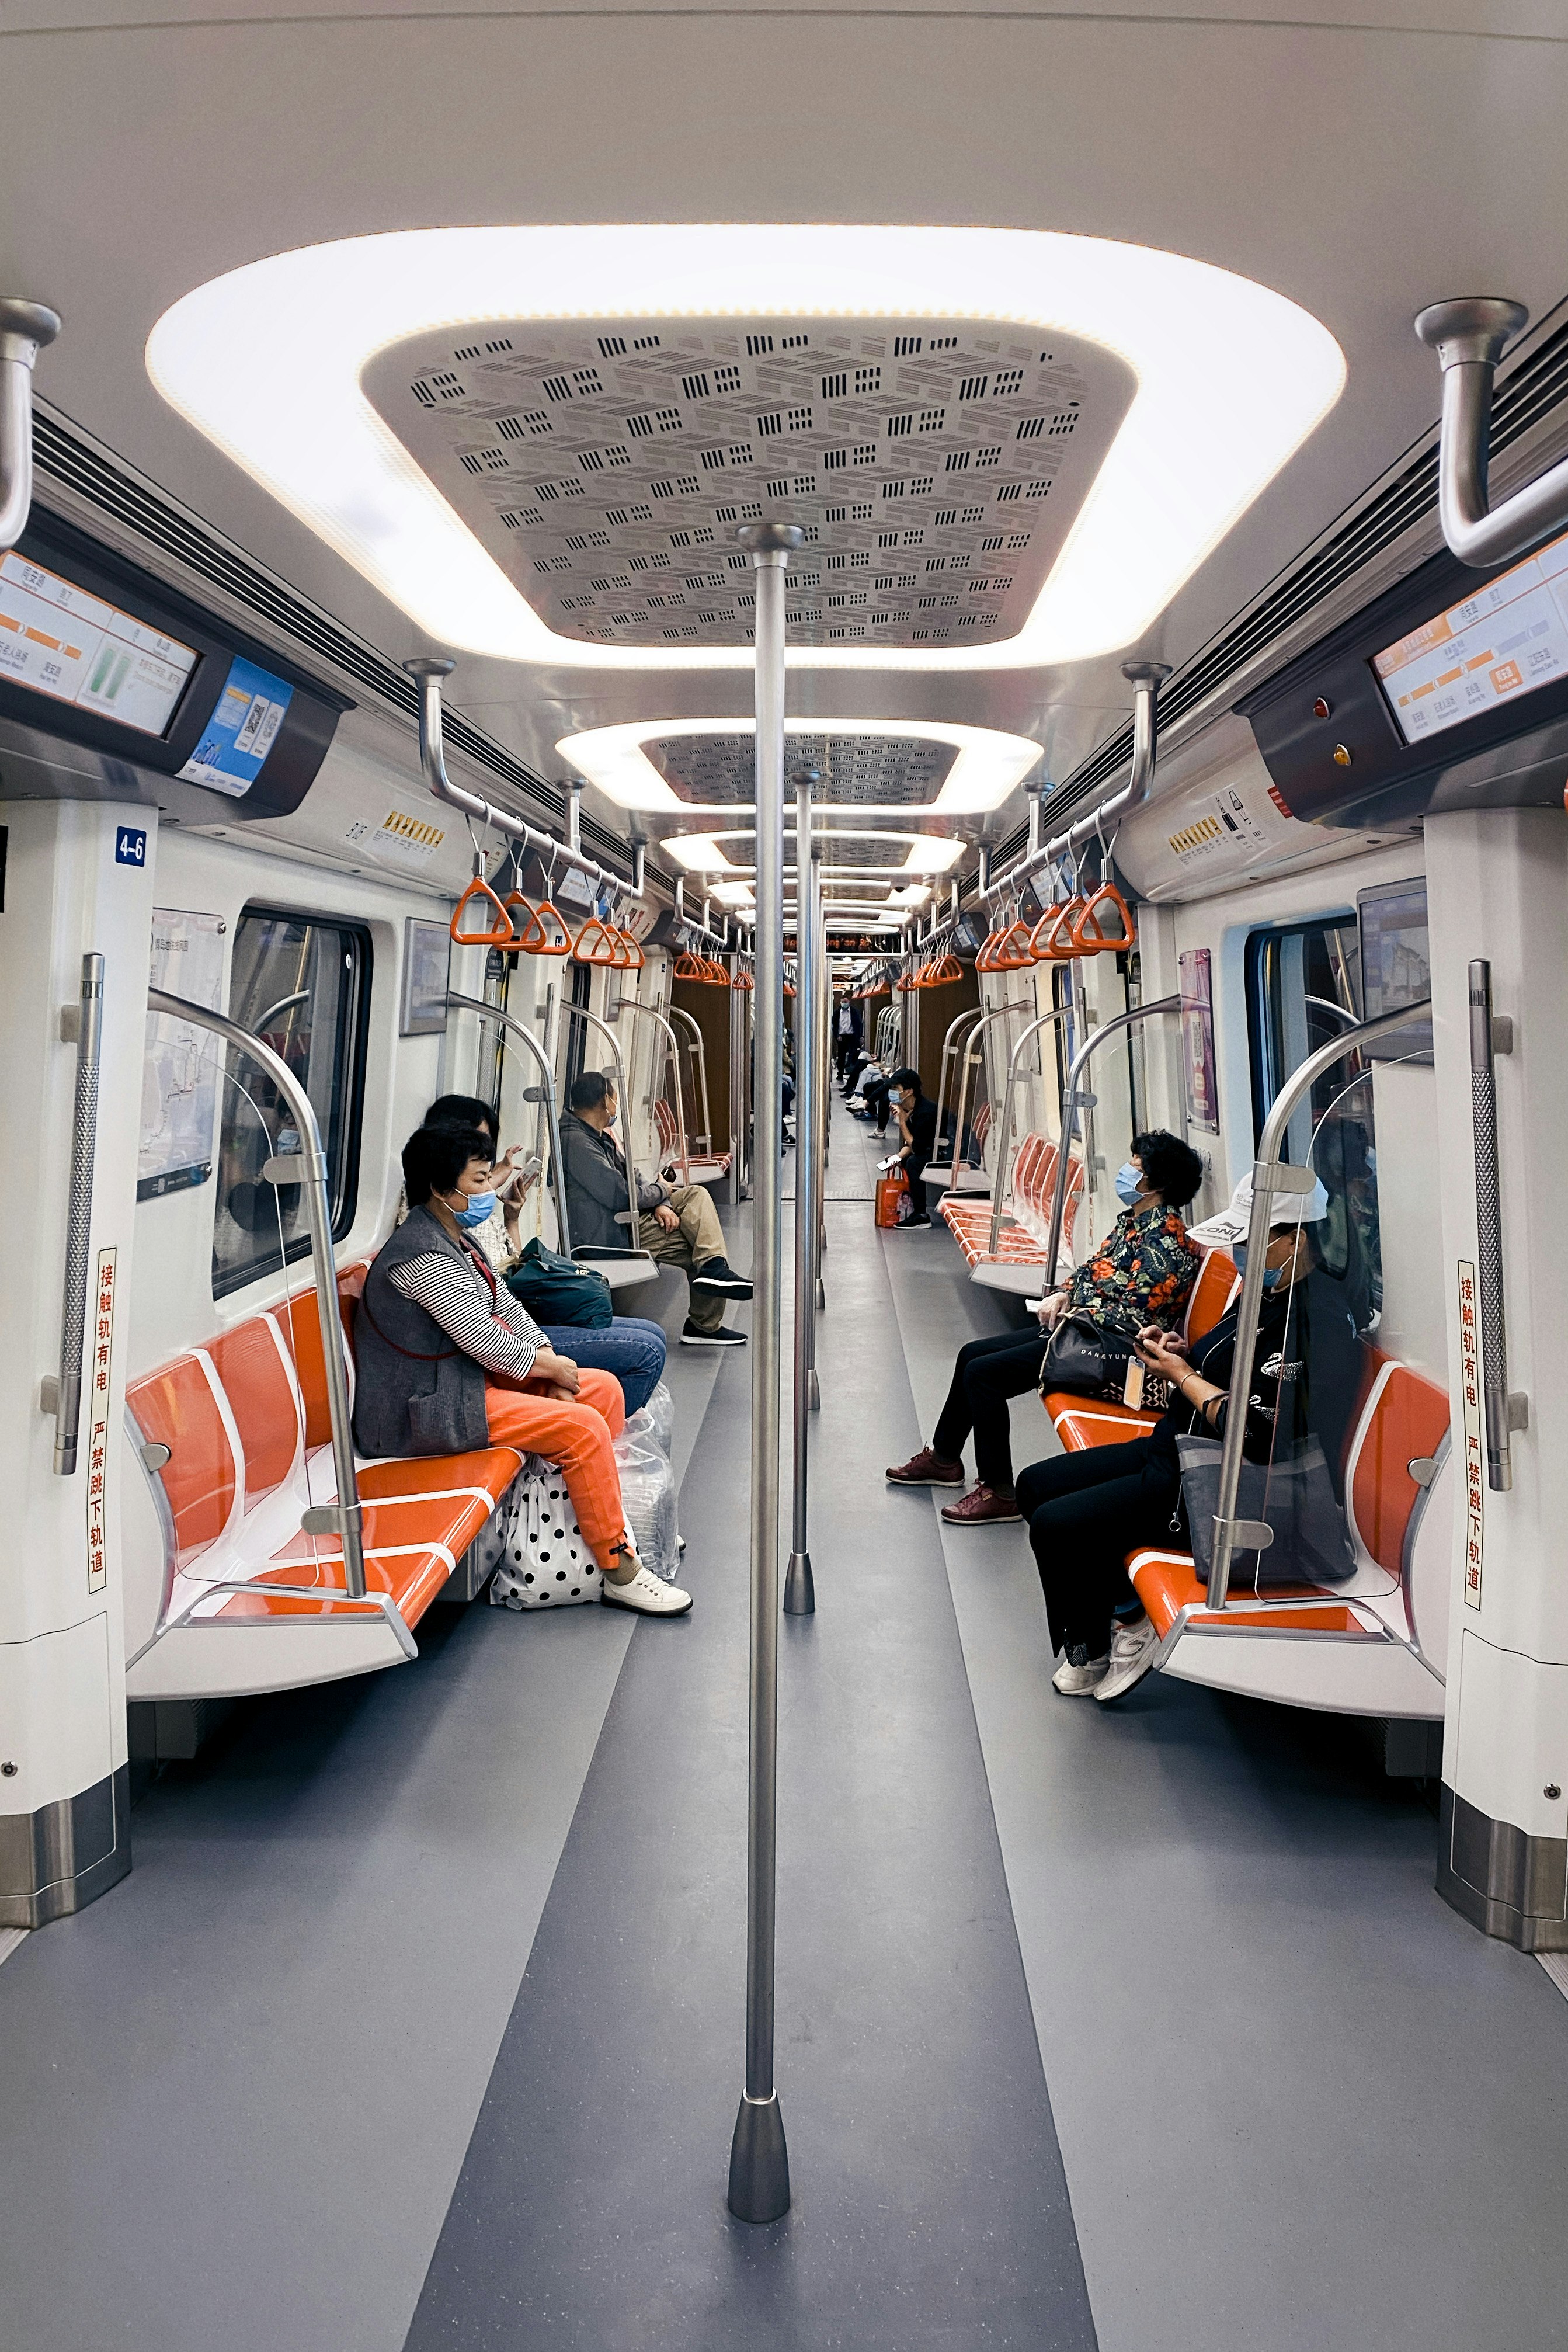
[1362, 167]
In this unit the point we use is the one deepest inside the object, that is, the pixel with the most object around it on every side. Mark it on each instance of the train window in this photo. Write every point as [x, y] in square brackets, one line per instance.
[302, 986]
[1303, 987]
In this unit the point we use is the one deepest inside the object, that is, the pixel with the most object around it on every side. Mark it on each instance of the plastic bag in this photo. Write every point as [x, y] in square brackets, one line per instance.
[657, 1417]
[648, 1498]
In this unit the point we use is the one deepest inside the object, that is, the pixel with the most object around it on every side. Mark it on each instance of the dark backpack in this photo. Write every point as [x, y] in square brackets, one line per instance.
[556, 1289]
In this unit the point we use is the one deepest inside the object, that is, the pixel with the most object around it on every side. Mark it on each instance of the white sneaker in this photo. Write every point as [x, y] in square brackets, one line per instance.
[648, 1595]
[1133, 1649]
[1079, 1675]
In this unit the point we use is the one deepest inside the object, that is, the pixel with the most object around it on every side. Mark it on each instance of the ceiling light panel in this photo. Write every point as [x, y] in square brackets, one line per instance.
[890, 769]
[965, 770]
[1225, 377]
[935, 467]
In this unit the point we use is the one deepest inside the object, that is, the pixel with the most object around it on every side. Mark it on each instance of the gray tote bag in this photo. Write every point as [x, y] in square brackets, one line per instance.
[1311, 1543]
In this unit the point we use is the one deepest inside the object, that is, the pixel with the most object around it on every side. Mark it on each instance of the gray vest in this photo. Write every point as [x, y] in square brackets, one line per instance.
[416, 1391]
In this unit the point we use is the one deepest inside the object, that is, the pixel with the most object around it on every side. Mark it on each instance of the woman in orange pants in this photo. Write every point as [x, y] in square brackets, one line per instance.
[448, 1361]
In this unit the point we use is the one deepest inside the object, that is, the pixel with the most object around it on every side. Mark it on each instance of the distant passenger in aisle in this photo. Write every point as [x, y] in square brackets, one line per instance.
[448, 1362]
[1143, 1276]
[631, 1345]
[677, 1223]
[846, 1033]
[917, 1115]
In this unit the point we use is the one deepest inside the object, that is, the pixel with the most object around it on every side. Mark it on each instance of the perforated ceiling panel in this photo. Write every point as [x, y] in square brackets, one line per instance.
[721, 769]
[936, 467]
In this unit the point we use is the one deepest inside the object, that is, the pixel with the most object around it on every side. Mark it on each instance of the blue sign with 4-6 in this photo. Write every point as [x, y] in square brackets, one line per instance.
[131, 846]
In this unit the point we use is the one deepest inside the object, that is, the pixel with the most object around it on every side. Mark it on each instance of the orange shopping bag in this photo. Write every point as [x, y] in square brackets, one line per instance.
[891, 1191]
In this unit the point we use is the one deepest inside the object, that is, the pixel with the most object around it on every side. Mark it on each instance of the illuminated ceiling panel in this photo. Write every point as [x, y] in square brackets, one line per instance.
[888, 770]
[870, 765]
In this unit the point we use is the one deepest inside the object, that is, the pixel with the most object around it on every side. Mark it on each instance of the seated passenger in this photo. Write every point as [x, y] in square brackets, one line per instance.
[1144, 1275]
[1087, 1511]
[448, 1364]
[917, 1136]
[633, 1348]
[679, 1224]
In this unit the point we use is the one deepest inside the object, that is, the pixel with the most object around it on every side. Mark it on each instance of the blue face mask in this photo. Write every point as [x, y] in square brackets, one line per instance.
[481, 1208]
[1128, 1179]
[1273, 1276]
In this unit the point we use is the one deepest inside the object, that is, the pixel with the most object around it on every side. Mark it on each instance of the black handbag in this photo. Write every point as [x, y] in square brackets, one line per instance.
[1083, 1357]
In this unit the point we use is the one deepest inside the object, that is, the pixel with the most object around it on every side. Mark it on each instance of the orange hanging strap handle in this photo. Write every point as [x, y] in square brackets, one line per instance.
[1012, 954]
[620, 950]
[1057, 946]
[635, 959]
[949, 968]
[500, 933]
[1090, 935]
[548, 933]
[686, 966]
[594, 944]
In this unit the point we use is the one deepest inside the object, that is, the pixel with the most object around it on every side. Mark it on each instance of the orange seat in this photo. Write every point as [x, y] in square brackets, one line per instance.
[1167, 1584]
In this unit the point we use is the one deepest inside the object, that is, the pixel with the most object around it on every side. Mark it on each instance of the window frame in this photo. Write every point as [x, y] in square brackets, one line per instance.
[1261, 1024]
[349, 1095]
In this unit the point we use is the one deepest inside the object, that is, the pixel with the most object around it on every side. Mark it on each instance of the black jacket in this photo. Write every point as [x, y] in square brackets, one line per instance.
[596, 1188]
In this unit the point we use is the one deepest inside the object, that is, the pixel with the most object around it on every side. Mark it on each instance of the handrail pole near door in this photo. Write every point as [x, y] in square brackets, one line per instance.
[1271, 1175]
[1070, 1109]
[308, 1168]
[1005, 1131]
[758, 2158]
[651, 1013]
[800, 1585]
[509, 1021]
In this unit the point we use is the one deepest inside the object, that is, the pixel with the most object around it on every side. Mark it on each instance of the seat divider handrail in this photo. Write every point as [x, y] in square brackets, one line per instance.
[651, 1013]
[510, 1022]
[1249, 1306]
[699, 1053]
[582, 1013]
[969, 1013]
[1091, 1046]
[971, 1061]
[312, 1179]
[1004, 1140]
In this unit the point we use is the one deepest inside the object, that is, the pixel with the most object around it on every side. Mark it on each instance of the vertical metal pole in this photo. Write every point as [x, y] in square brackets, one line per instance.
[758, 2158]
[1488, 1231]
[735, 1185]
[79, 1217]
[800, 1587]
[820, 1052]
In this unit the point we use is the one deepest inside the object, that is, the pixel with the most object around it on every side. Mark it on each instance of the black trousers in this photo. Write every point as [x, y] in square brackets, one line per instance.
[844, 1047]
[1086, 1512]
[987, 1375]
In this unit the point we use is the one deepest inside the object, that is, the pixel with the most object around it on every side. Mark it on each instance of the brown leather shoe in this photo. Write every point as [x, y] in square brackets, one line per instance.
[981, 1504]
[926, 1469]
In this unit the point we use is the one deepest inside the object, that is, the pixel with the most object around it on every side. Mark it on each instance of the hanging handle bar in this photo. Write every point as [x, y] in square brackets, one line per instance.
[313, 1180]
[1146, 679]
[427, 673]
[26, 330]
[1468, 337]
[1269, 1177]
[1069, 1109]
[1488, 1230]
[510, 1022]
[79, 1217]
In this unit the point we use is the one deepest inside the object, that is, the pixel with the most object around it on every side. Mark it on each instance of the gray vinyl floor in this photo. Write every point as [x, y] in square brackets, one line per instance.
[418, 2020]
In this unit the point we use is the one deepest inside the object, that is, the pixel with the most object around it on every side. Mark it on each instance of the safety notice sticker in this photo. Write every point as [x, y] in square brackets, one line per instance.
[1475, 1456]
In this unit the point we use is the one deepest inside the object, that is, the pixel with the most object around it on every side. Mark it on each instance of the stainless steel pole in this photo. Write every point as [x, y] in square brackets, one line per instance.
[79, 1217]
[823, 998]
[800, 1586]
[735, 1187]
[758, 2158]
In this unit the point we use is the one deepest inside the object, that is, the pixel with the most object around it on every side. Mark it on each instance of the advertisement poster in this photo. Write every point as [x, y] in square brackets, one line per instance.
[241, 731]
[180, 1075]
[1197, 1040]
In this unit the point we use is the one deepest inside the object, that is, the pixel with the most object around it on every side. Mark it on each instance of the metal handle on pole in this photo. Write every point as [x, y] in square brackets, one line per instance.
[1489, 1231]
[758, 2158]
[1070, 1109]
[1269, 1176]
[79, 1217]
[800, 1586]
[310, 1175]
[510, 1022]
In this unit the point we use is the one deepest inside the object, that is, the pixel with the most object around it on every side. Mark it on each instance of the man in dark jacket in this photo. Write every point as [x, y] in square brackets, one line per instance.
[916, 1135]
[677, 1223]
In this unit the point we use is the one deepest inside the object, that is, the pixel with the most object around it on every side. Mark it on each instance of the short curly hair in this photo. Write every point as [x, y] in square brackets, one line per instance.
[1173, 1168]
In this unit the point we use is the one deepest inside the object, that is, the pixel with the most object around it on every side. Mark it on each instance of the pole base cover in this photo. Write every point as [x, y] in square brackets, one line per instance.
[800, 1587]
[759, 2163]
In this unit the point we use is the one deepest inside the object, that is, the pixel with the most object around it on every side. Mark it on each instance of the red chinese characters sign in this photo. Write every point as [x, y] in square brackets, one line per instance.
[1475, 1454]
[101, 1326]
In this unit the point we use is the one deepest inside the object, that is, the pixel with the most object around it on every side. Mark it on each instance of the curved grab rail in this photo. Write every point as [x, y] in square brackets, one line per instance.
[652, 1013]
[1468, 337]
[971, 1013]
[1267, 1171]
[1005, 1131]
[312, 1180]
[1069, 1109]
[972, 1062]
[510, 1022]
[699, 1053]
[582, 1013]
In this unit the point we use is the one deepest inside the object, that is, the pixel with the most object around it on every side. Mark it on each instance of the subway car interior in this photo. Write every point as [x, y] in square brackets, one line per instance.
[793, 884]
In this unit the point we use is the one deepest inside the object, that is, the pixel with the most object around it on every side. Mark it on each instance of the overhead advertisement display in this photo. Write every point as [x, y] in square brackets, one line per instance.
[59, 641]
[241, 731]
[1511, 636]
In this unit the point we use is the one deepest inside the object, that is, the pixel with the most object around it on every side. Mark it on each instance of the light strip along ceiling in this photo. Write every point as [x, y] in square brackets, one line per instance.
[926, 853]
[989, 766]
[1223, 379]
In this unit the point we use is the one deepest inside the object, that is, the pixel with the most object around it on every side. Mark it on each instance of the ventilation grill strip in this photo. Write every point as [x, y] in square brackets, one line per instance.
[58, 456]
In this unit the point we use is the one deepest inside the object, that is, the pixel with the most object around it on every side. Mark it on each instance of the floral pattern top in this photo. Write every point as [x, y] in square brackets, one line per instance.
[1142, 1273]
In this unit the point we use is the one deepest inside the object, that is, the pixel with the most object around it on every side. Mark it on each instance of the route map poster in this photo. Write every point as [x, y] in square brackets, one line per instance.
[180, 1087]
[1197, 1040]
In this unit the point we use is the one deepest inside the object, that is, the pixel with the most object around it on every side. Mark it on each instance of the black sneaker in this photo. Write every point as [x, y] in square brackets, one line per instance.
[691, 1336]
[719, 1274]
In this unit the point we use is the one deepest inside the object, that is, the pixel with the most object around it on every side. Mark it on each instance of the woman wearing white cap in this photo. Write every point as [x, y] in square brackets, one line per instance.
[1087, 1511]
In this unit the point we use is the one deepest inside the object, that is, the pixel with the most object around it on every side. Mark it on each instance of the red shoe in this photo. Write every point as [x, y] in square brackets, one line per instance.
[926, 1469]
[982, 1505]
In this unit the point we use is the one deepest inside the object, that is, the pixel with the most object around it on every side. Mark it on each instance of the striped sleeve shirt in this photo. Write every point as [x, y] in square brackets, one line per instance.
[494, 1329]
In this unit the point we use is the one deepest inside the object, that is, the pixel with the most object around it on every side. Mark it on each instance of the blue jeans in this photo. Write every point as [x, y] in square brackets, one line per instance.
[631, 1348]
